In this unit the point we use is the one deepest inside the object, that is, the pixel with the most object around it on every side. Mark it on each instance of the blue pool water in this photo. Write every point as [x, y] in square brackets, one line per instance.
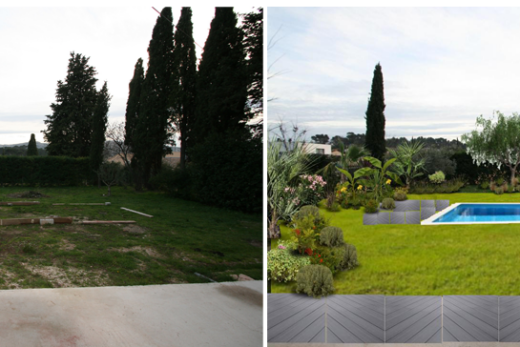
[482, 213]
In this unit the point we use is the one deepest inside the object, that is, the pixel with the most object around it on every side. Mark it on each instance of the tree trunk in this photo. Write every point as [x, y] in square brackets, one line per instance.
[274, 229]
[513, 173]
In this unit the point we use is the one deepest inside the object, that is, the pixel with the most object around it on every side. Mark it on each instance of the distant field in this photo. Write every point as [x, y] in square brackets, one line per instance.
[182, 238]
[429, 260]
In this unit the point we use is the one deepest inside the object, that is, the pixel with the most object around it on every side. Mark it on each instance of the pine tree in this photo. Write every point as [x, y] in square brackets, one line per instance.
[32, 150]
[151, 133]
[184, 84]
[375, 117]
[134, 102]
[99, 126]
[222, 80]
[69, 128]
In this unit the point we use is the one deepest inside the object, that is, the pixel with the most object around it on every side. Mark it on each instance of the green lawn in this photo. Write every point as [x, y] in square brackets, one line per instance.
[182, 238]
[429, 260]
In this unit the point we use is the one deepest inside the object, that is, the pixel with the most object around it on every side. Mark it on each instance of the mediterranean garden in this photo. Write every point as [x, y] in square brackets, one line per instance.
[319, 244]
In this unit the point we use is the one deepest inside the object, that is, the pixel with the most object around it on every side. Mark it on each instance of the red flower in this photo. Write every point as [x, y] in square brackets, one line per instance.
[297, 231]
[308, 251]
[314, 227]
[321, 260]
[319, 255]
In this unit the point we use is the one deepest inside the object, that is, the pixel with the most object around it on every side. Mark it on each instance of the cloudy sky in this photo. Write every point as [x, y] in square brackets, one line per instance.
[442, 67]
[36, 45]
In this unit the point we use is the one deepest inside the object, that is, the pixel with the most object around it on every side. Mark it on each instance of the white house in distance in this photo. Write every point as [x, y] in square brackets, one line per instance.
[313, 148]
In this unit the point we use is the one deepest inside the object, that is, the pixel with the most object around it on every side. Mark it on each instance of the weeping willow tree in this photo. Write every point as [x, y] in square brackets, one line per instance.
[496, 142]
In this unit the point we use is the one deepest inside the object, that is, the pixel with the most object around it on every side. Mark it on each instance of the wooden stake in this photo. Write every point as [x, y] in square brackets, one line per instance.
[142, 214]
[108, 222]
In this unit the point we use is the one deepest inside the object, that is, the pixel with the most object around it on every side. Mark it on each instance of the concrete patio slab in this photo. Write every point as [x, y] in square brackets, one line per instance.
[214, 314]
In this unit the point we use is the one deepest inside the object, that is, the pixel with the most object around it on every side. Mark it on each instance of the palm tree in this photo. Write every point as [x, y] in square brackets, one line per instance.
[407, 164]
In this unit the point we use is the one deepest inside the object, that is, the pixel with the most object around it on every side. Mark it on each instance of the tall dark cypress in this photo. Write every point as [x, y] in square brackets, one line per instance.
[99, 126]
[134, 102]
[375, 117]
[253, 28]
[151, 135]
[69, 128]
[32, 150]
[184, 84]
[222, 80]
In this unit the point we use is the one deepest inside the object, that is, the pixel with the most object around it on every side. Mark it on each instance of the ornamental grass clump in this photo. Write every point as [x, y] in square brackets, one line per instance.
[305, 211]
[400, 194]
[315, 280]
[349, 260]
[388, 204]
[331, 237]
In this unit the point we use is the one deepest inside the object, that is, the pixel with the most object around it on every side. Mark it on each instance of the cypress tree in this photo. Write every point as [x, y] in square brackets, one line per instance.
[253, 44]
[99, 126]
[133, 103]
[184, 83]
[69, 127]
[375, 117]
[222, 80]
[32, 150]
[151, 135]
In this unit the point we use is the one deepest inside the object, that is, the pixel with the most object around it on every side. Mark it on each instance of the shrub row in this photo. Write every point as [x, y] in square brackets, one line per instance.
[45, 171]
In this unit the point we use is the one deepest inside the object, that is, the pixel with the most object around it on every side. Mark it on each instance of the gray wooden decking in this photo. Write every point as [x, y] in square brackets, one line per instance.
[393, 319]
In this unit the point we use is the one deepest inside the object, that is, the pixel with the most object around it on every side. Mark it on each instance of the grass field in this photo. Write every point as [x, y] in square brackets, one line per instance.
[182, 238]
[429, 260]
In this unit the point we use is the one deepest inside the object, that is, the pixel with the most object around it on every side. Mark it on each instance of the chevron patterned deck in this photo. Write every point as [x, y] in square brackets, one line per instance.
[509, 318]
[470, 318]
[355, 319]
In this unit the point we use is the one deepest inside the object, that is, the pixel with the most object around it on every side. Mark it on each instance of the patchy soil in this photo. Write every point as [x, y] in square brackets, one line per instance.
[9, 279]
[28, 195]
[150, 251]
[134, 229]
[66, 245]
[72, 277]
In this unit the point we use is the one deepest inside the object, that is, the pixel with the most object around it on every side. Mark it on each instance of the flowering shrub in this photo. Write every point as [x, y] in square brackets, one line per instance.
[282, 266]
[329, 257]
[311, 189]
[305, 235]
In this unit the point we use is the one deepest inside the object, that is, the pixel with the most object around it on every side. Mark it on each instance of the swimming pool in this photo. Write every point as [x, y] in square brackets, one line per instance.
[477, 213]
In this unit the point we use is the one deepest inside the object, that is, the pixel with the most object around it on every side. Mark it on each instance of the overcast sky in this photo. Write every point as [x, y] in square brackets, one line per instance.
[442, 67]
[36, 45]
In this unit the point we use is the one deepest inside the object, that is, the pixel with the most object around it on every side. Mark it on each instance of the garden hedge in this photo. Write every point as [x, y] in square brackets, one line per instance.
[45, 171]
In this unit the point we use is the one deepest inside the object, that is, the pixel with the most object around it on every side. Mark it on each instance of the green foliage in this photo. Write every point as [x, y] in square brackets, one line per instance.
[375, 117]
[388, 204]
[400, 194]
[335, 207]
[407, 163]
[496, 142]
[151, 136]
[484, 185]
[45, 171]
[99, 126]
[315, 280]
[305, 234]
[282, 266]
[69, 128]
[349, 260]
[371, 206]
[331, 236]
[184, 84]
[253, 29]
[439, 160]
[499, 190]
[378, 178]
[222, 82]
[237, 184]
[134, 103]
[305, 211]
[32, 150]
[437, 178]
[446, 187]
[328, 257]
[282, 170]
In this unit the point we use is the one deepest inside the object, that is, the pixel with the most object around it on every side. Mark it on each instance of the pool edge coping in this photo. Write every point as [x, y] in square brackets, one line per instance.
[429, 221]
